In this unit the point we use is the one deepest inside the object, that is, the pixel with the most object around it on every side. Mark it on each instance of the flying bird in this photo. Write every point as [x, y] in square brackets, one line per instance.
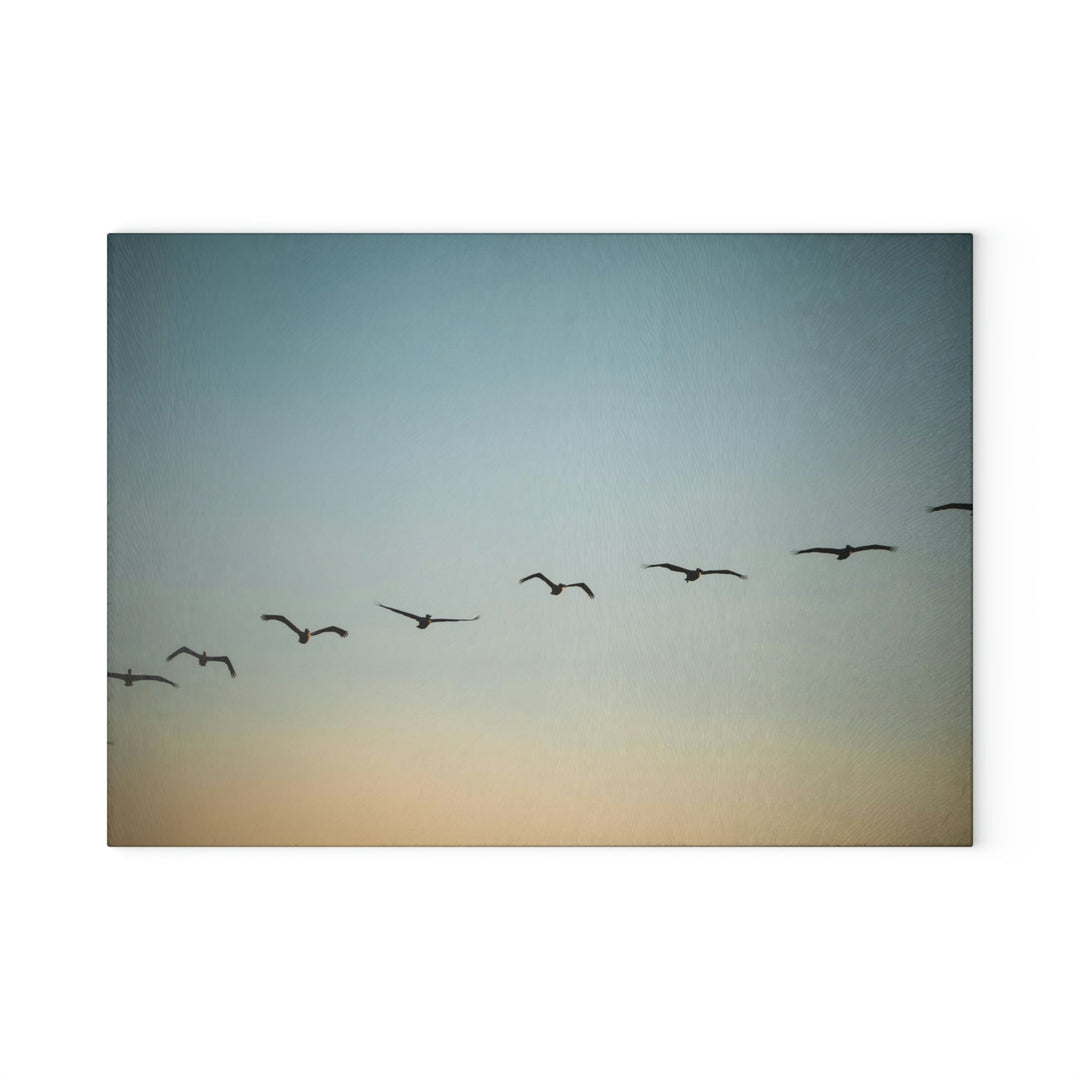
[424, 621]
[692, 575]
[305, 635]
[203, 659]
[847, 551]
[949, 506]
[130, 679]
[556, 589]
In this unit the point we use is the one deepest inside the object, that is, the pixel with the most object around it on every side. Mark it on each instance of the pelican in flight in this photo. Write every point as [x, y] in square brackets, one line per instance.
[556, 589]
[424, 621]
[203, 659]
[949, 506]
[304, 635]
[847, 551]
[692, 575]
[130, 680]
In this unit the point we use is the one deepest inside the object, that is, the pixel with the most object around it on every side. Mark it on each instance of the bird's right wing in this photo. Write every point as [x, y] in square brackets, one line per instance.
[226, 661]
[331, 630]
[473, 619]
[582, 585]
[548, 581]
[281, 618]
[153, 678]
[950, 506]
[407, 614]
[183, 648]
[116, 675]
[734, 573]
[666, 566]
[824, 551]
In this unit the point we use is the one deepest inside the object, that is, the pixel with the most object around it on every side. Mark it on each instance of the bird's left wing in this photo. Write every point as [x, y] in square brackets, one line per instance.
[473, 619]
[153, 678]
[281, 619]
[183, 648]
[734, 573]
[546, 580]
[582, 585]
[407, 614]
[874, 547]
[331, 630]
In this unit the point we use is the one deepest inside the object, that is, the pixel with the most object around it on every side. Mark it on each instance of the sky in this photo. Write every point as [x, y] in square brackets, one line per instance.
[313, 424]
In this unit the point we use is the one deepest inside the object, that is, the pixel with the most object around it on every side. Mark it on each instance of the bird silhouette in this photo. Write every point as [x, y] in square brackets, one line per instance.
[306, 635]
[130, 679]
[424, 621]
[949, 506]
[692, 575]
[847, 551]
[556, 589]
[203, 658]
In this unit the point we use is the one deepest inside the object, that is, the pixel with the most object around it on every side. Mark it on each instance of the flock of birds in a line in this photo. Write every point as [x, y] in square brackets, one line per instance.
[424, 621]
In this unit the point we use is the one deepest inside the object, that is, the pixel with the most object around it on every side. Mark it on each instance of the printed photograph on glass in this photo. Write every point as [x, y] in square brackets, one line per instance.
[685, 522]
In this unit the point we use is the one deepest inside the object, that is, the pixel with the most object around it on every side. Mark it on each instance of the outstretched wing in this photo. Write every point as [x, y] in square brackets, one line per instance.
[407, 614]
[666, 566]
[949, 506]
[735, 573]
[116, 675]
[331, 630]
[546, 580]
[824, 551]
[281, 618]
[153, 678]
[183, 648]
[874, 547]
[473, 619]
[582, 585]
[226, 661]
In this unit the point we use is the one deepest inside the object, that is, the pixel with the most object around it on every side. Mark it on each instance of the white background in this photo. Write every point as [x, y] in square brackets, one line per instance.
[537, 963]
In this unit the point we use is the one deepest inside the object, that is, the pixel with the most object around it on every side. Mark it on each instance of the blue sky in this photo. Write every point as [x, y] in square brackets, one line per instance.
[311, 424]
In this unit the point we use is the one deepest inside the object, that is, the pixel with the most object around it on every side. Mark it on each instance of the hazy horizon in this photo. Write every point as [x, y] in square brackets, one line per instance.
[313, 424]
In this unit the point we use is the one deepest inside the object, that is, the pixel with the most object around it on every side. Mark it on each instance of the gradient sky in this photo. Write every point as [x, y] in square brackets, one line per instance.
[306, 425]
